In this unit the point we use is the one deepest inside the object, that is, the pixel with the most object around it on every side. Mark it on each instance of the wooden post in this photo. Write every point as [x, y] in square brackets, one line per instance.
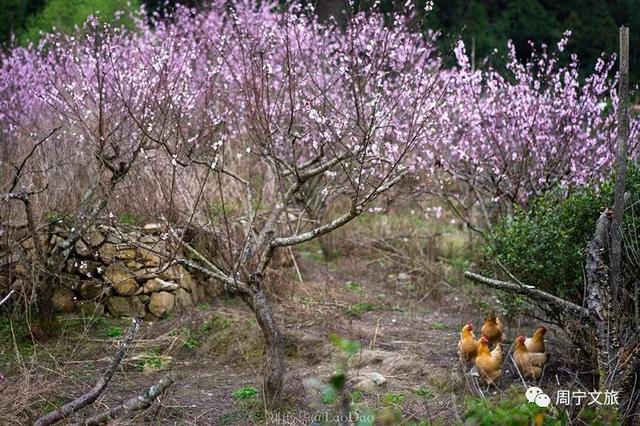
[473, 53]
[621, 162]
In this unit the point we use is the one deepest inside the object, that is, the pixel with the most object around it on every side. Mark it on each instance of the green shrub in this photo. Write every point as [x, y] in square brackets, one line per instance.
[545, 245]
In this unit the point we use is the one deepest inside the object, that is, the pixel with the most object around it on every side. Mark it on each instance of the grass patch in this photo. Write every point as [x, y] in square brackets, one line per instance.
[360, 309]
[354, 286]
[114, 332]
[393, 399]
[423, 392]
[246, 392]
[439, 326]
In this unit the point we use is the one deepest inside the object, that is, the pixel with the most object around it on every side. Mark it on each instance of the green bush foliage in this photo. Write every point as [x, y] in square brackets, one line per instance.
[545, 245]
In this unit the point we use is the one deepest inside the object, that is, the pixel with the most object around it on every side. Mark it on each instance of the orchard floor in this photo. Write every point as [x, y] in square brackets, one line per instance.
[407, 332]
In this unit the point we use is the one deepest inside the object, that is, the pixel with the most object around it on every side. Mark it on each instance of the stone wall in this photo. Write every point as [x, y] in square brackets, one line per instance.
[108, 272]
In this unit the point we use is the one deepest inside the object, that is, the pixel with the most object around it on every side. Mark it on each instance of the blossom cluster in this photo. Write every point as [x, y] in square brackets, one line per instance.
[250, 82]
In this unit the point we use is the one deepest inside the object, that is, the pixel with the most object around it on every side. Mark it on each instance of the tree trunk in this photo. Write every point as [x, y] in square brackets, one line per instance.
[326, 245]
[46, 314]
[273, 370]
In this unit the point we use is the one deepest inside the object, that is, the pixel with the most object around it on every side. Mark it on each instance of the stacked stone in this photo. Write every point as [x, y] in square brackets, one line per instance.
[108, 270]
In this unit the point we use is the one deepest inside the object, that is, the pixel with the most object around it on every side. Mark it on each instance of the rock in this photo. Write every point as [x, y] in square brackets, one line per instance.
[89, 268]
[150, 259]
[186, 281]
[157, 284]
[64, 300]
[198, 293]
[114, 239]
[90, 308]
[148, 239]
[82, 248]
[161, 303]
[94, 238]
[134, 266]
[132, 236]
[179, 274]
[107, 252]
[125, 307]
[90, 289]
[71, 282]
[364, 384]
[146, 274]
[127, 254]
[213, 288]
[403, 276]
[71, 266]
[172, 273]
[121, 279]
[376, 378]
[151, 228]
[184, 298]
[128, 287]
[368, 382]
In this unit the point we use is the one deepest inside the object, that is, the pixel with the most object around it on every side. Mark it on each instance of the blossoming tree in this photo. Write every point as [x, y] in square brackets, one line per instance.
[245, 109]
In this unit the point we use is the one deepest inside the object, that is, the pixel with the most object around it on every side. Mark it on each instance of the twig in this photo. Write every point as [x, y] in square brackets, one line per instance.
[138, 402]
[93, 394]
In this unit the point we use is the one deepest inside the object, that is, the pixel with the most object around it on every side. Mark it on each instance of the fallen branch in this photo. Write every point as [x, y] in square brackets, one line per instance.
[138, 402]
[531, 292]
[93, 394]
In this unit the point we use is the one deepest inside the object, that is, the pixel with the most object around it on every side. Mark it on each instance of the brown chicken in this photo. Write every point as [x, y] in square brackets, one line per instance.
[530, 364]
[468, 345]
[535, 343]
[489, 362]
[492, 328]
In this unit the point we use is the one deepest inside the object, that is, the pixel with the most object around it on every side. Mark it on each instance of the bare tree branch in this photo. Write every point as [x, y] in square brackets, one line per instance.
[18, 169]
[531, 292]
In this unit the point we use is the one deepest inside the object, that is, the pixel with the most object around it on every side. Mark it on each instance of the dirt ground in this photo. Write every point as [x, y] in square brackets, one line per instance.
[407, 333]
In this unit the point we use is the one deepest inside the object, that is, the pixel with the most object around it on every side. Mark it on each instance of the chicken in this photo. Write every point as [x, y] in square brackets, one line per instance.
[489, 362]
[467, 346]
[492, 328]
[535, 343]
[530, 364]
